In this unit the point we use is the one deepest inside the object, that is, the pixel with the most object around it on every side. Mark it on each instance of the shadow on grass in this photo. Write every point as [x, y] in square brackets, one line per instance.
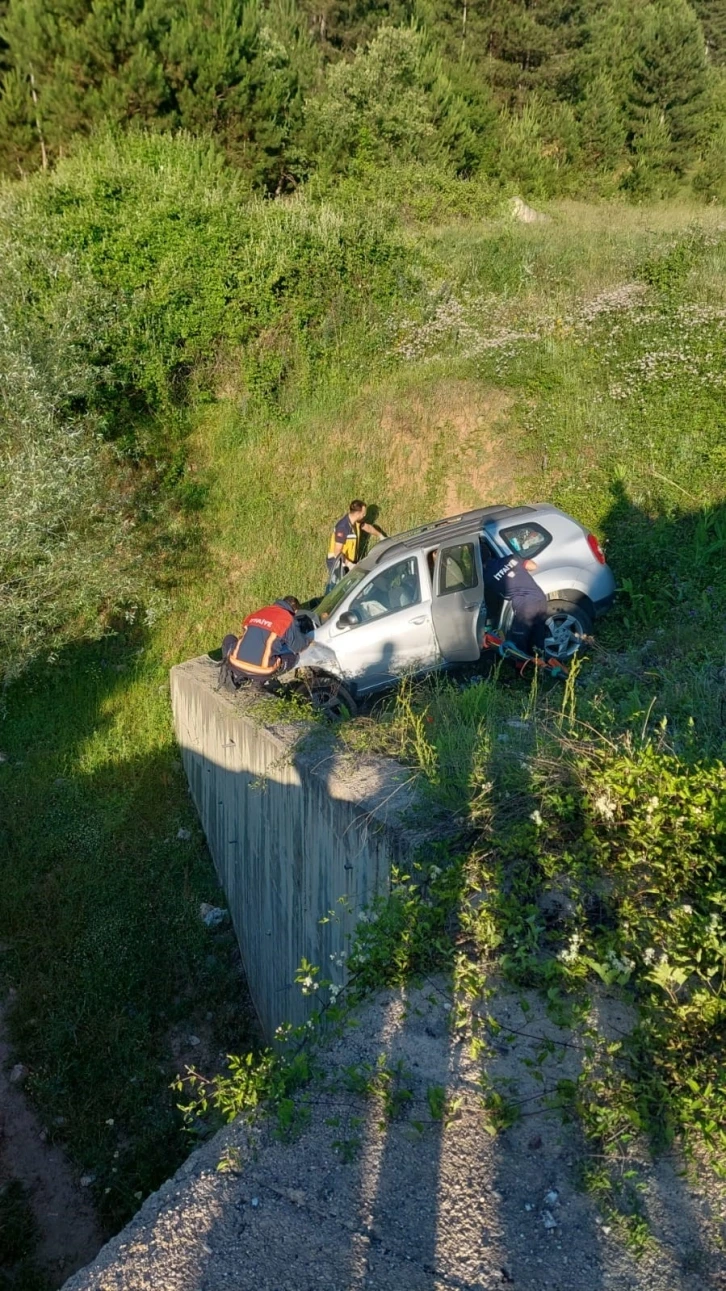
[103, 946]
[671, 612]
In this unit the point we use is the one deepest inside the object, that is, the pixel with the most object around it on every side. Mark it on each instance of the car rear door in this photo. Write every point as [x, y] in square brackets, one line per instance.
[458, 596]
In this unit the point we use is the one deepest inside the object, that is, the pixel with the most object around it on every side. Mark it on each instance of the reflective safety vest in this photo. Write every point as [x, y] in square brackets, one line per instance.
[351, 541]
[261, 631]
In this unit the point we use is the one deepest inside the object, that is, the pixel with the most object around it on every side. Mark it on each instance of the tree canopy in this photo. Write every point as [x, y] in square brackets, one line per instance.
[546, 93]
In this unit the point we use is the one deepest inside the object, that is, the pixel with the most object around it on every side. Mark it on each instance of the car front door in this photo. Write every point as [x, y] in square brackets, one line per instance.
[386, 629]
[458, 596]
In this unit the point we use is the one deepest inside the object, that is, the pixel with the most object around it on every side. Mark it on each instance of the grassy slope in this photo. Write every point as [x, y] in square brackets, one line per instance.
[575, 415]
[100, 903]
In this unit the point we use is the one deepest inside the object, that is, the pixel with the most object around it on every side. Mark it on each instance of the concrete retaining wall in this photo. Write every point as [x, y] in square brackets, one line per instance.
[296, 830]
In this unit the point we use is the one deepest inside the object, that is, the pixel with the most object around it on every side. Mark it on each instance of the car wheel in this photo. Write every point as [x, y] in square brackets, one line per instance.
[567, 624]
[329, 697]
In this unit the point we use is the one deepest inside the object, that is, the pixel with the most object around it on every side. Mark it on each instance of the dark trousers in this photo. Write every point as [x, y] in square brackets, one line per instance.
[528, 634]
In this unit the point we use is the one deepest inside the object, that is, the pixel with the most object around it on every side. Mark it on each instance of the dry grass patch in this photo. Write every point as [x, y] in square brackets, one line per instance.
[457, 438]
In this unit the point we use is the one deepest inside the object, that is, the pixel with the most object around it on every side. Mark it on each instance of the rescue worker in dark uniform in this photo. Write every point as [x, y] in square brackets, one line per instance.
[508, 578]
[345, 540]
[270, 643]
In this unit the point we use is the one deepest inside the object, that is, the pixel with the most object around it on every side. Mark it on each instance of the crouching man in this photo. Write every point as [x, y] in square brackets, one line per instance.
[270, 643]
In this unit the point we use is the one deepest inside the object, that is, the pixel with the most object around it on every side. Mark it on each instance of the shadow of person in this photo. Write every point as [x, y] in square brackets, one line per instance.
[368, 540]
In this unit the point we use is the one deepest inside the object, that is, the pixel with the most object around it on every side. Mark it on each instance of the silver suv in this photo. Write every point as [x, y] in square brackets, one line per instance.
[414, 604]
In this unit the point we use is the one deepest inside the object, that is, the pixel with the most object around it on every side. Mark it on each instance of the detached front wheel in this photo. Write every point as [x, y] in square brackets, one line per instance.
[568, 624]
[329, 697]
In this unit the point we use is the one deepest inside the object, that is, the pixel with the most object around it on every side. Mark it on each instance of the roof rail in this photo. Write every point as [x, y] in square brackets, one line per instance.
[465, 520]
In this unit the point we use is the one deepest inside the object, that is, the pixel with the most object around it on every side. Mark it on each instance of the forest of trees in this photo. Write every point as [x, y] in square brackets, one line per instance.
[553, 96]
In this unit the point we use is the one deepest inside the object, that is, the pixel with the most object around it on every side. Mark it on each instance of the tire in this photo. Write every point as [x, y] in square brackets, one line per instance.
[329, 697]
[567, 623]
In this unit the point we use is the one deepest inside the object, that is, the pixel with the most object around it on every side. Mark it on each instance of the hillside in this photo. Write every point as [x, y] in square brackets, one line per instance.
[195, 381]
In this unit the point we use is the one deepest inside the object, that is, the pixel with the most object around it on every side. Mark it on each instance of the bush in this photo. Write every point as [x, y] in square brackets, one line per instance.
[194, 264]
[132, 270]
[394, 101]
[66, 549]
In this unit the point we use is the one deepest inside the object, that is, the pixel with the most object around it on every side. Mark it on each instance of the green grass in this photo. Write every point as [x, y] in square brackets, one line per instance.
[18, 1239]
[100, 914]
[99, 897]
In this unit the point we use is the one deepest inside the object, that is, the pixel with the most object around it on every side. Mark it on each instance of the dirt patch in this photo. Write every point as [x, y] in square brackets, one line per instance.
[69, 1232]
[458, 432]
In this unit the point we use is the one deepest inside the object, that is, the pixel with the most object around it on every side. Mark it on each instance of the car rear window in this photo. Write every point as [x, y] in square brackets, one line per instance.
[457, 569]
[526, 539]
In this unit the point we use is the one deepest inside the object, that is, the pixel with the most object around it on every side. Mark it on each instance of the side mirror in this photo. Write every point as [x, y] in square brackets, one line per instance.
[347, 620]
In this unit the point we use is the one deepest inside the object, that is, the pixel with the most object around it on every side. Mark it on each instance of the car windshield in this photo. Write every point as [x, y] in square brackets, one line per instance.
[337, 594]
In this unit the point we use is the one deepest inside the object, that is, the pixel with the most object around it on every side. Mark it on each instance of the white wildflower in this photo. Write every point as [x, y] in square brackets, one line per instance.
[569, 953]
[536, 816]
[649, 954]
[623, 965]
[604, 806]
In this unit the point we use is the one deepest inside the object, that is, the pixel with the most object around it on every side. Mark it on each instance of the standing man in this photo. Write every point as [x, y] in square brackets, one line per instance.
[344, 548]
[271, 642]
[507, 578]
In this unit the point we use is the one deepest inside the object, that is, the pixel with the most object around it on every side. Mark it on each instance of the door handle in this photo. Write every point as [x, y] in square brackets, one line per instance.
[471, 609]
[421, 619]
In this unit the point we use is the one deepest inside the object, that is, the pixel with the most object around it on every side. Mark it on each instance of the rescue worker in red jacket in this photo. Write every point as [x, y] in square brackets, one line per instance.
[270, 643]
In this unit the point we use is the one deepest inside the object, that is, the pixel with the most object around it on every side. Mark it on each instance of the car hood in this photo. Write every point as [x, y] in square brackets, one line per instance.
[319, 656]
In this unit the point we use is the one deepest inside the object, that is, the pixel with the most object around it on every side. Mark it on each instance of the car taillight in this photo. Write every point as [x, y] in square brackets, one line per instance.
[596, 549]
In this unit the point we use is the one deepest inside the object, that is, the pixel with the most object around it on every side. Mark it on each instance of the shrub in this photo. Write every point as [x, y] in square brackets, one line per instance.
[394, 100]
[130, 271]
[66, 549]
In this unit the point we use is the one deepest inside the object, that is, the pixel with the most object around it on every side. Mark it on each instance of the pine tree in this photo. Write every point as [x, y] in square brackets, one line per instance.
[227, 67]
[344, 25]
[712, 15]
[652, 173]
[614, 33]
[521, 46]
[19, 141]
[601, 125]
[80, 61]
[231, 75]
[670, 76]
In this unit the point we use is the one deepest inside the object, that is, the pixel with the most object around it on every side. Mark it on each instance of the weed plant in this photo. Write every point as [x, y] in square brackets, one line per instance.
[580, 858]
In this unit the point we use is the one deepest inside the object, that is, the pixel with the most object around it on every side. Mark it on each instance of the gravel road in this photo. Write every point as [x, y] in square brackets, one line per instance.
[419, 1202]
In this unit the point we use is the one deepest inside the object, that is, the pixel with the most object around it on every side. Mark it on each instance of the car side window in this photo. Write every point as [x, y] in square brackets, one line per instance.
[457, 569]
[393, 589]
[526, 539]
